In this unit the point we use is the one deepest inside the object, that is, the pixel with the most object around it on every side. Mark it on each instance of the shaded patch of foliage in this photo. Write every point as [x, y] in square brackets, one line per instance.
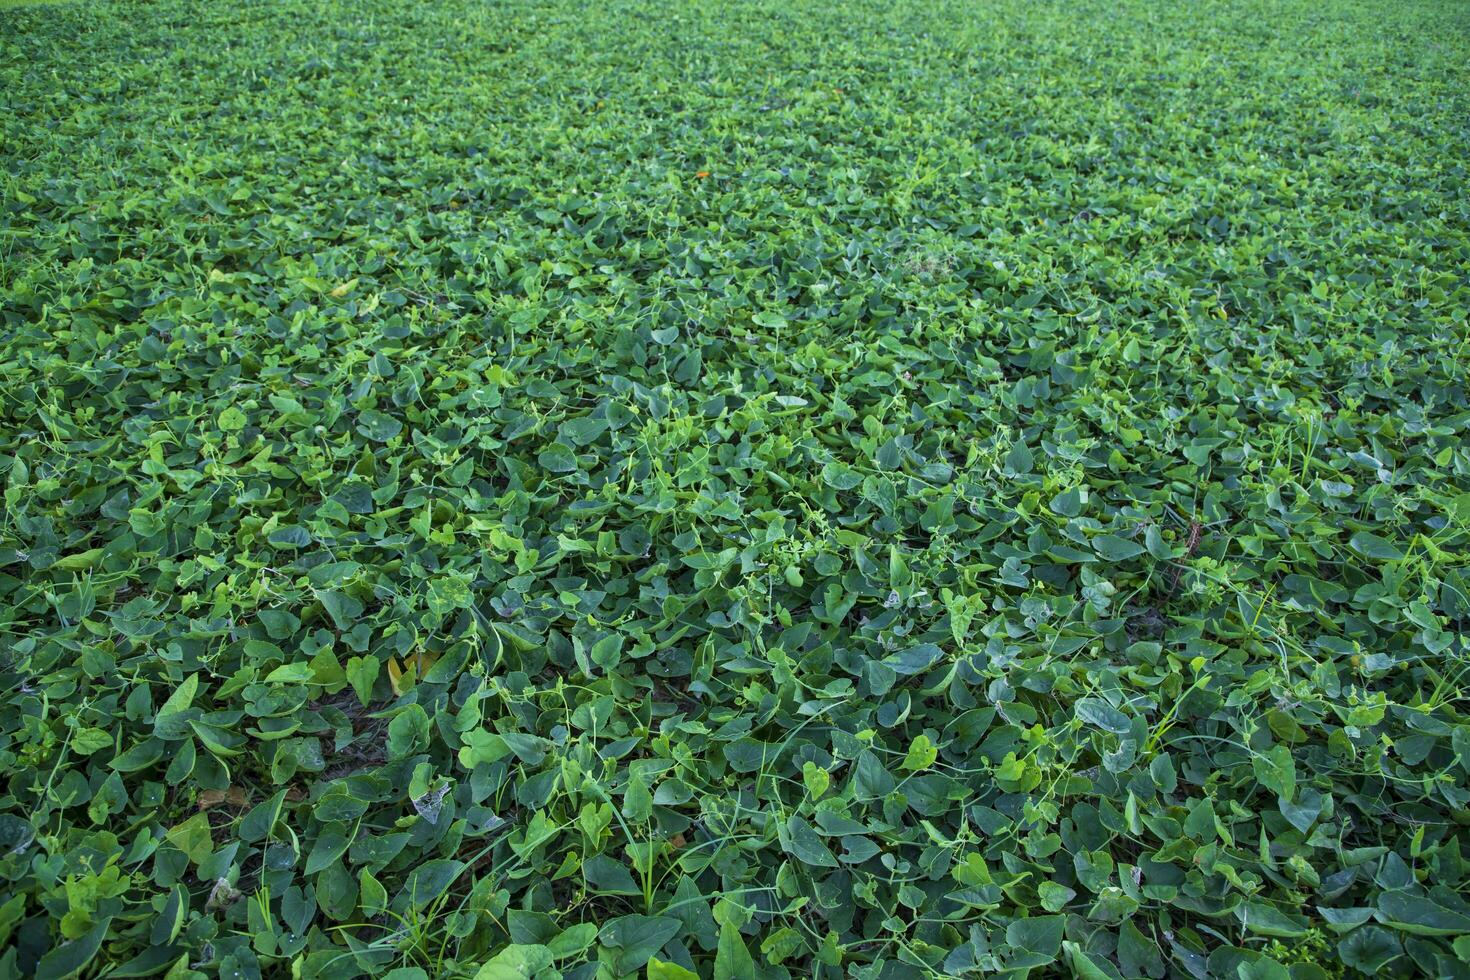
[735, 490]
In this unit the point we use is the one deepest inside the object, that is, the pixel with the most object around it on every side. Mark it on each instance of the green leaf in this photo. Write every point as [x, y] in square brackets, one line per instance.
[374, 897]
[1019, 459]
[840, 476]
[1054, 896]
[408, 732]
[516, 962]
[870, 780]
[362, 672]
[803, 843]
[427, 882]
[1369, 949]
[192, 837]
[16, 834]
[330, 845]
[1088, 966]
[637, 800]
[1345, 920]
[260, 821]
[69, 959]
[659, 970]
[1276, 771]
[572, 940]
[289, 674]
[557, 458]
[915, 659]
[1420, 915]
[181, 697]
[607, 652]
[1038, 934]
[583, 431]
[378, 426]
[1068, 503]
[637, 938]
[732, 957]
[1138, 954]
[139, 756]
[85, 741]
[290, 537]
[1265, 919]
[1100, 714]
[1114, 548]
[342, 608]
[1373, 546]
[608, 877]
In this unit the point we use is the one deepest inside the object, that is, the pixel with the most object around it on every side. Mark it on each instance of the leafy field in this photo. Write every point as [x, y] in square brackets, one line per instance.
[735, 490]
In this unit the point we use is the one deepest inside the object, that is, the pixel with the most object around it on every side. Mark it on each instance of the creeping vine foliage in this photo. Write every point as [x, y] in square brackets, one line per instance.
[760, 489]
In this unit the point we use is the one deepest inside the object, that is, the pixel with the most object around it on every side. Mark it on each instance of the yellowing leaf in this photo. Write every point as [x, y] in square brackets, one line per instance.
[921, 754]
[415, 665]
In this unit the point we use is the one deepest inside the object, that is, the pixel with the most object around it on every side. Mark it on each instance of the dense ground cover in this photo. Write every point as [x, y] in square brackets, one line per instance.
[759, 489]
